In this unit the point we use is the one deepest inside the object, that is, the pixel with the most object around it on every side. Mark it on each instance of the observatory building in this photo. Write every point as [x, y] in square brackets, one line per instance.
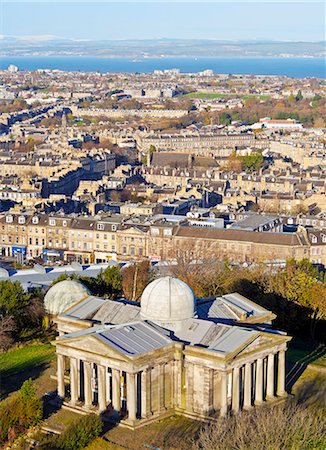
[170, 353]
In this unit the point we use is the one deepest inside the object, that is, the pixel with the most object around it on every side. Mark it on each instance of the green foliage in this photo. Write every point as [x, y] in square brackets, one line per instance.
[12, 298]
[111, 277]
[299, 96]
[253, 162]
[152, 149]
[107, 283]
[225, 118]
[79, 434]
[19, 412]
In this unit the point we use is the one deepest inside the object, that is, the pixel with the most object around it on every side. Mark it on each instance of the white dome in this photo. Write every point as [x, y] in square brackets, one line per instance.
[167, 301]
[63, 295]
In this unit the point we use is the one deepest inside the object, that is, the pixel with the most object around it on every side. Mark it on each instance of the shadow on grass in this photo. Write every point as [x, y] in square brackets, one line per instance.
[10, 382]
[300, 354]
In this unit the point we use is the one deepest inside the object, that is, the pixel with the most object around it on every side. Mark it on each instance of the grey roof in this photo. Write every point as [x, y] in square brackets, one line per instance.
[229, 307]
[232, 339]
[117, 312]
[134, 339]
[35, 278]
[86, 308]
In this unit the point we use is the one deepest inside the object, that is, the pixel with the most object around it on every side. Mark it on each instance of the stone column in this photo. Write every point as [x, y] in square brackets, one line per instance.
[161, 386]
[107, 387]
[270, 376]
[281, 374]
[116, 400]
[131, 396]
[190, 386]
[236, 389]
[88, 384]
[247, 387]
[101, 381]
[224, 394]
[145, 393]
[61, 375]
[259, 382]
[73, 381]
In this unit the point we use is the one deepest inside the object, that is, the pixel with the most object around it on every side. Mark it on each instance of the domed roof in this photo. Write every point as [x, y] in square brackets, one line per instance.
[167, 301]
[63, 295]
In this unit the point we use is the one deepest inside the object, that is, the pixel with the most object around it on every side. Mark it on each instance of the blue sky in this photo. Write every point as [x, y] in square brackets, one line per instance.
[277, 20]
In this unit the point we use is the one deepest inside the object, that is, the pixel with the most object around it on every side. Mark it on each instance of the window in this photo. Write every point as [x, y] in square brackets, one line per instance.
[113, 227]
[167, 232]
[100, 226]
[113, 237]
[9, 219]
[97, 236]
[113, 248]
[105, 237]
[124, 250]
[155, 231]
[64, 223]
[132, 251]
[36, 241]
[52, 222]
[21, 219]
[140, 252]
[85, 246]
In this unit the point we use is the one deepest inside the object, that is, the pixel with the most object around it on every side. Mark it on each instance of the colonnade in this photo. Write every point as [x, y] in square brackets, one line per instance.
[94, 386]
[254, 382]
[148, 392]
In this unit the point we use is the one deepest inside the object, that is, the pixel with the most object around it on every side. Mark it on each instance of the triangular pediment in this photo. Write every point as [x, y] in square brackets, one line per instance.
[256, 344]
[133, 230]
[91, 344]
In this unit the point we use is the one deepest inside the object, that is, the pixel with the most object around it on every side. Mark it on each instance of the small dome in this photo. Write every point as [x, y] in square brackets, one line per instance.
[63, 295]
[167, 301]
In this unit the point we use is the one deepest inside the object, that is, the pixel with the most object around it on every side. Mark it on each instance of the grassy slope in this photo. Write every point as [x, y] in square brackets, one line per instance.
[22, 363]
[20, 359]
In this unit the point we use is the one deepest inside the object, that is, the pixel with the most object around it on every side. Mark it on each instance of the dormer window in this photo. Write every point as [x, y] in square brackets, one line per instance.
[21, 219]
[52, 222]
[9, 219]
[35, 219]
[64, 223]
[114, 228]
[313, 238]
[100, 226]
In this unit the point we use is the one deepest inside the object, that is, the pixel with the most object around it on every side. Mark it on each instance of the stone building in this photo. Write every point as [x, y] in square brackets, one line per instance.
[172, 353]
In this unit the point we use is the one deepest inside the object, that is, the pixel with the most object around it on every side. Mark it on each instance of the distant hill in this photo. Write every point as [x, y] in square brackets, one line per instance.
[51, 45]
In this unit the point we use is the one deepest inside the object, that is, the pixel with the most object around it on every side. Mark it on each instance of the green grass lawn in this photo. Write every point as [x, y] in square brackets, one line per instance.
[20, 359]
[22, 363]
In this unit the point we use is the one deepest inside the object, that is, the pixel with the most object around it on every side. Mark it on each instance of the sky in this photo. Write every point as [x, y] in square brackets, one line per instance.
[241, 20]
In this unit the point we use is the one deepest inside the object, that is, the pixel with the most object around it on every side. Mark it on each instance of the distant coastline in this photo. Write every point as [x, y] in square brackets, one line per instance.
[293, 67]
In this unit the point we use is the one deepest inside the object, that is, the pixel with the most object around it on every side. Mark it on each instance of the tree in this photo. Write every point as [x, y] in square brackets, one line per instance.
[12, 298]
[112, 280]
[134, 280]
[225, 118]
[299, 96]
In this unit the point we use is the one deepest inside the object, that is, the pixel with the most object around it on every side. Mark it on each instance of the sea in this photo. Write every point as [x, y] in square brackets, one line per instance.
[292, 67]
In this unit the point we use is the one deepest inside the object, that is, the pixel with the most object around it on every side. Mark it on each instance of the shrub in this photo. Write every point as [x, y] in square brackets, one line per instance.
[291, 426]
[19, 412]
[79, 434]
